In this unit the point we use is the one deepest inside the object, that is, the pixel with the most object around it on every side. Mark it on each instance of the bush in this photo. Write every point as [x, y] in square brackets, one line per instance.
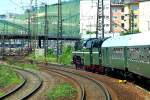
[130, 32]
[66, 56]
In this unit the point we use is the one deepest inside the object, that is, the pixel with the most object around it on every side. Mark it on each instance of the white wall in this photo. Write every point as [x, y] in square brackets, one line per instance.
[144, 16]
[88, 16]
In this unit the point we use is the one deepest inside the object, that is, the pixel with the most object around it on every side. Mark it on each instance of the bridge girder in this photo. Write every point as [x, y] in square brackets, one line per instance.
[14, 25]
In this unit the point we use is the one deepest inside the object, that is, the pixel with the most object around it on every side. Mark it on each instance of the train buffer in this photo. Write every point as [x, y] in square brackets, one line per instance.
[122, 81]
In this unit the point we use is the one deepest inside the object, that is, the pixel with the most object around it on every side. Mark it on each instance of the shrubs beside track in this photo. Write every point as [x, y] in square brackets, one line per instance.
[65, 58]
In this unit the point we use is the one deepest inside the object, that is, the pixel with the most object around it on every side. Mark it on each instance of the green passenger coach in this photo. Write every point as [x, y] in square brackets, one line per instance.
[138, 60]
[129, 53]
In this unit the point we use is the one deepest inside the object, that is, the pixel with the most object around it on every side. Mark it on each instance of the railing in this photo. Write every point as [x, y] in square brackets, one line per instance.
[131, 1]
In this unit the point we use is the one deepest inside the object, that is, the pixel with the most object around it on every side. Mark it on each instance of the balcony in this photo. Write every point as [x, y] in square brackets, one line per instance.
[117, 4]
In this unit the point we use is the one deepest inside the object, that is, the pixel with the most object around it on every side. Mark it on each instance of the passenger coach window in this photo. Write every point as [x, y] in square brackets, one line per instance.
[117, 53]
[134, 54]
[146, 55]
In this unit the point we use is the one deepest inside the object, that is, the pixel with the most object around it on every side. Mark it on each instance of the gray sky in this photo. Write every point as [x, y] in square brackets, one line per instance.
[18, 6]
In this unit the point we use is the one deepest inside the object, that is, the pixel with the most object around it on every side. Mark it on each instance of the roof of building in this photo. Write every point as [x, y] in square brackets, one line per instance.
[128, 40]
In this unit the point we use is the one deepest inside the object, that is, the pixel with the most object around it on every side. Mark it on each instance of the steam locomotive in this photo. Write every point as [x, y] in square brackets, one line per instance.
[128, 55]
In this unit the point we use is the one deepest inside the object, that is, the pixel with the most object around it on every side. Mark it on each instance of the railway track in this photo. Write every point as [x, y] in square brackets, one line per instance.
[94, 90]
[118, 91]
[79, 86]
[32, 82]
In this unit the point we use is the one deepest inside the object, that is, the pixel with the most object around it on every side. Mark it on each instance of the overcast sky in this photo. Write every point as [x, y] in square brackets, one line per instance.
[18, 6]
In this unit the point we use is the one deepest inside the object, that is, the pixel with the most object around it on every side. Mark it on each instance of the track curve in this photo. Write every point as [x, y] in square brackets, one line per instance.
[79, 86]
[31, 85]
[90, 85]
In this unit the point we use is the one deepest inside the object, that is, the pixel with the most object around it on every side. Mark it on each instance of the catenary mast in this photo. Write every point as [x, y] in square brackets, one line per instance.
[100, 19]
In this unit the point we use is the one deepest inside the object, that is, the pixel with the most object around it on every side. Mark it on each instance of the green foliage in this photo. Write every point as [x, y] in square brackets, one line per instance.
[70, 16]
[51, 57]
[1, 94]
[130, 32]
[8, 76]
[89, 32]
[14, 62]
[26, 65]
[51, 53]
[66, 56]
[61, 91]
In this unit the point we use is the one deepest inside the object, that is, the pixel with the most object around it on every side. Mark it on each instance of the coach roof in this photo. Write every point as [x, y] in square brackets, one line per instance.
[128, 40]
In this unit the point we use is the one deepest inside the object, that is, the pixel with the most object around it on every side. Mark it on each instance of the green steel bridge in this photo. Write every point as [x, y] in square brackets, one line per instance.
[19, 24]
[39, 25]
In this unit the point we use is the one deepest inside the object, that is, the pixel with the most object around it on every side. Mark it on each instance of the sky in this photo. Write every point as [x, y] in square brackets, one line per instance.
[18, 6]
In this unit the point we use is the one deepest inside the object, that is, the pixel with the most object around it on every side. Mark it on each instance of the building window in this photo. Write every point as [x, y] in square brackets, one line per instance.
[134, 7]
[113, 26]
[122, 25]
[107, 25]
[106, 7]
[107, 16]
[114, 17]
[114, 10]
[135, 25]
[122, 9]
[122, 17]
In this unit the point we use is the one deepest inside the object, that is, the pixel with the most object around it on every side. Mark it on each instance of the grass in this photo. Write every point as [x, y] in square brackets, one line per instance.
[63, 90]
[1, 94]
[21, 65]
[49, 58]
[8, 76]
[26, 66]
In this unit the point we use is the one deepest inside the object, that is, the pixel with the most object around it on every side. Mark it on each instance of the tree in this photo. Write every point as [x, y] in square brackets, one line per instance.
[89, 32]
[130, 32]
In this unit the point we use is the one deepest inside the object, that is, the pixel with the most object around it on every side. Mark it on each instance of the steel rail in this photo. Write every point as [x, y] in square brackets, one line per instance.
[17, 88]
[82, 95]
[106, 93]
[35, 89]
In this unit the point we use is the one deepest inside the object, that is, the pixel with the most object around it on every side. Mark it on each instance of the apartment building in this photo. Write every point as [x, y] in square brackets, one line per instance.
[131, 12]
[88, 17]
[144, 16]
[117, 16]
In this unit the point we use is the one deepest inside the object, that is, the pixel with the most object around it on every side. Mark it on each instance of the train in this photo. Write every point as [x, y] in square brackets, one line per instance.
[128, 55]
